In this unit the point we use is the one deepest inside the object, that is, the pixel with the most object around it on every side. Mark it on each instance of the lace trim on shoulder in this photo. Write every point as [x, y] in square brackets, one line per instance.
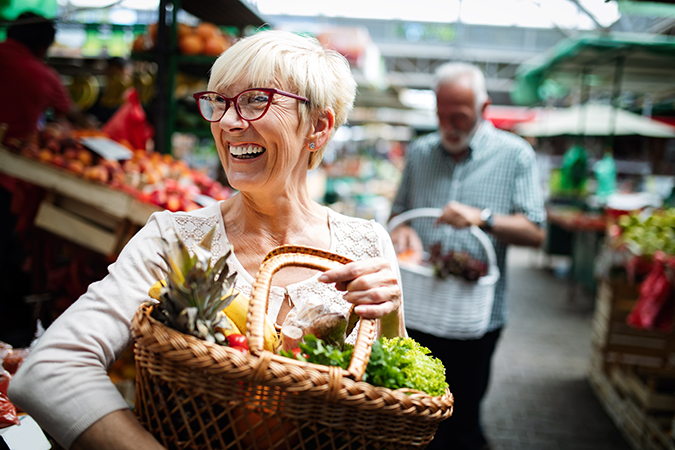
[192, 229]
[355, 238]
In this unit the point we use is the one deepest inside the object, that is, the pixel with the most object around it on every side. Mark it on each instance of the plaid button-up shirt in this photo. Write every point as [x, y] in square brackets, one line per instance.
[499, 173]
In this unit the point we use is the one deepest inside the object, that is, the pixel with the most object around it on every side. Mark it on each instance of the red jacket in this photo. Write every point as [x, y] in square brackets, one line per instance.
[28, 87]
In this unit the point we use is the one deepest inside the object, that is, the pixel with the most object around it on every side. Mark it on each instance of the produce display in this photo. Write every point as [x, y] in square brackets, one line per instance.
[648, 238]
[204, 39]
[645, 234]
[198, 298]
[151, 177]
[10, 360]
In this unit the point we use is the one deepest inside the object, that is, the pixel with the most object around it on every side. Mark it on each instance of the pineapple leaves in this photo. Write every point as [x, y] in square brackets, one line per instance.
[196, 292]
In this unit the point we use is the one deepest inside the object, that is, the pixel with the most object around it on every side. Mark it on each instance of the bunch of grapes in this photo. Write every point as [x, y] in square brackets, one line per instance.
[458, 263]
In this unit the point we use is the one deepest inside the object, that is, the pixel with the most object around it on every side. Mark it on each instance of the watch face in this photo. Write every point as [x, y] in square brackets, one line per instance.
[485, 215]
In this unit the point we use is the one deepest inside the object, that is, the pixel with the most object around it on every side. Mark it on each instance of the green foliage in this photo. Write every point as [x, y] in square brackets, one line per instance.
[394, 363]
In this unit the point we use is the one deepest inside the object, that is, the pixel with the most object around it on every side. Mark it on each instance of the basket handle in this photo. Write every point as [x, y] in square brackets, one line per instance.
[436, 213]
[293, 255]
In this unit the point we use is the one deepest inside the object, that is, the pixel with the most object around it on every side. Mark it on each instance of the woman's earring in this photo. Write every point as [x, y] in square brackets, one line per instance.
[312, 145]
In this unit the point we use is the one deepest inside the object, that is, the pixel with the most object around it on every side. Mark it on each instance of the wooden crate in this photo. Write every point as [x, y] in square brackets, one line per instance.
[640, 402]
[652, 390]
[627, 420]
[617, 342]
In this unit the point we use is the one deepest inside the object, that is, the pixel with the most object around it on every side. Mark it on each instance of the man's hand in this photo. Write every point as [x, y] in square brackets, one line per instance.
[514, 229]
[407, 241]
[459, 215]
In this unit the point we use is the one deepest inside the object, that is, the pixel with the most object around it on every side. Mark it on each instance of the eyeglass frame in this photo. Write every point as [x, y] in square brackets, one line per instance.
[234, 100]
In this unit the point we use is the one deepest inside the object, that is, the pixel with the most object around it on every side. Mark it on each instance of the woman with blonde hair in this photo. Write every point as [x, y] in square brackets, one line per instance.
[274, 101]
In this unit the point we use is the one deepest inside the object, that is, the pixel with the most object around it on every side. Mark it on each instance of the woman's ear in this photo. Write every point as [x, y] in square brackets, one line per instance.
[321, 130]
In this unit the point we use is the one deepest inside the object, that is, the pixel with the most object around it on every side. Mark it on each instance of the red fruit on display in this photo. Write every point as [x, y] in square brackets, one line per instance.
[70, 153]
[159, 197]
[59, 160]
[75, 165]
[85, 156]
[173, 203]
[45, 155]
[53, 146]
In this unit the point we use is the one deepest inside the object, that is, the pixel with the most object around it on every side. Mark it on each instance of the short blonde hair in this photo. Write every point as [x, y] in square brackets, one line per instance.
[295, 63]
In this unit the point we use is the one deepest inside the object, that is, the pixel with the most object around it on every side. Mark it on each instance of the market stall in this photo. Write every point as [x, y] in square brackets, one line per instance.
[633, 345]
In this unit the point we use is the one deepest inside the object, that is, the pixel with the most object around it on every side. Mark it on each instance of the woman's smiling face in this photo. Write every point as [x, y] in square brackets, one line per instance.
[261, 154]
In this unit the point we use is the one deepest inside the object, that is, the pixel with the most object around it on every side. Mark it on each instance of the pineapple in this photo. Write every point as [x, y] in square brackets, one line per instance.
[196, 292]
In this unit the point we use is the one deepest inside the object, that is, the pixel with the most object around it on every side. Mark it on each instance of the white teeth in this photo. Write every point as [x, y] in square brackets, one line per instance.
[246, 150]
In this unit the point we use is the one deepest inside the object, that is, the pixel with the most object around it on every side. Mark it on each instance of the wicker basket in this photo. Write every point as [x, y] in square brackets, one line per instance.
[192, 394]
[454, 307]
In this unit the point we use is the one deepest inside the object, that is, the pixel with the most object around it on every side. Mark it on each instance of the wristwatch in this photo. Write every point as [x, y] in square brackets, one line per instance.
[488, 219]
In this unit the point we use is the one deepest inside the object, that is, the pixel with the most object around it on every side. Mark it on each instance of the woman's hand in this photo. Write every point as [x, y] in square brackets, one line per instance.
[370, 284]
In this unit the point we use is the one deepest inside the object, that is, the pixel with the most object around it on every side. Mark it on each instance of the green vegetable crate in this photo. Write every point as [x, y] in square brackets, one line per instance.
[192, 394]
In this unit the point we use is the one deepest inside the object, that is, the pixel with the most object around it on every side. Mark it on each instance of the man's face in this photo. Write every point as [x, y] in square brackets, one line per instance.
[457, 114]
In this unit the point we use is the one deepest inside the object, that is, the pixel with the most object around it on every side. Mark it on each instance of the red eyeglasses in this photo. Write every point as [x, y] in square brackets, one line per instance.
[250, 104]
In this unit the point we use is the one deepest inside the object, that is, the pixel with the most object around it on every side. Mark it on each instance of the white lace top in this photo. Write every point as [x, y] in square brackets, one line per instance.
[64, 383]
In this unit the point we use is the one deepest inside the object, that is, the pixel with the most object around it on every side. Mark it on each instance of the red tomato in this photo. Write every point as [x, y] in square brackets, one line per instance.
[237, 340]
[297, 354]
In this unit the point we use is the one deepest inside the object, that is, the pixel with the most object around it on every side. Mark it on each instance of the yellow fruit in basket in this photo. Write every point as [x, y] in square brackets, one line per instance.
[156, 289]
[237, 311]
[234, 329]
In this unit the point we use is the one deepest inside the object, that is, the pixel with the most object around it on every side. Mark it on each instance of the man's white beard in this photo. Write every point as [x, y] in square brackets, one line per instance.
[464, 140]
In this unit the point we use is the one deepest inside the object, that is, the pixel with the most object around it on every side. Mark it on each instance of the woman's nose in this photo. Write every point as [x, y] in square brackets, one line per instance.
[232, 119]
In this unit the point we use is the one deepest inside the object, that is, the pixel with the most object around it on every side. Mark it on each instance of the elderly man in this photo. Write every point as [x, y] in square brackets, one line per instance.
[478, 175]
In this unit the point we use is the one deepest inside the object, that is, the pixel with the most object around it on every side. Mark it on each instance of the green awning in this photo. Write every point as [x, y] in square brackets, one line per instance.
[648, 66]
[11, 9]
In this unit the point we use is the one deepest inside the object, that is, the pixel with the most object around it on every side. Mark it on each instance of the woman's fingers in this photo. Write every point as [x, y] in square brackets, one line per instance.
[370, 284]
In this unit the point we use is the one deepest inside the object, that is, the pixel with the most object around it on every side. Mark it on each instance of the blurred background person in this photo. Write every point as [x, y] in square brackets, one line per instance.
[28, 86]
[478, 175]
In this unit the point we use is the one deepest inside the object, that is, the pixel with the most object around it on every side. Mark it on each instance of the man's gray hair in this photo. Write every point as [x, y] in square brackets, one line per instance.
[450, 72]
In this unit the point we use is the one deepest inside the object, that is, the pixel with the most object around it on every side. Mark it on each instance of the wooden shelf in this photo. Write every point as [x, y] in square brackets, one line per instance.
[115, 203]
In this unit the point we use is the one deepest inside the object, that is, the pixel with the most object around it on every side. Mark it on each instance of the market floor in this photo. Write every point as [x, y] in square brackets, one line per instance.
[540, 397]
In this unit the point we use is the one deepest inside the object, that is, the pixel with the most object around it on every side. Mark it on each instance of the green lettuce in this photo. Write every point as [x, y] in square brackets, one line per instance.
[420, 370]
[394, 363]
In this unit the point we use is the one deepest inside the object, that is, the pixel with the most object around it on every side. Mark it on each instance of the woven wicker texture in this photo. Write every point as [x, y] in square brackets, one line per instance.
[192, 394]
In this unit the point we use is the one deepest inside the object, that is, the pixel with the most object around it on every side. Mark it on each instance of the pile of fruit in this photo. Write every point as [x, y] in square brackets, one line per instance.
[645, 234]
[10, 360]
[203, 39]
[151, 177]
